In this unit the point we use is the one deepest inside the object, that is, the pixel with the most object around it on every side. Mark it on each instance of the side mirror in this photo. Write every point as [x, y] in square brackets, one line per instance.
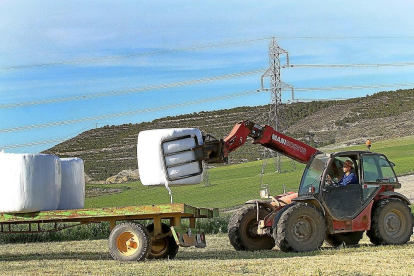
[264, 193]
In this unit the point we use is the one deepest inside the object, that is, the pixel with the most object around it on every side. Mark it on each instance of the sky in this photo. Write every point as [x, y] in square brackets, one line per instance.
[70, 66]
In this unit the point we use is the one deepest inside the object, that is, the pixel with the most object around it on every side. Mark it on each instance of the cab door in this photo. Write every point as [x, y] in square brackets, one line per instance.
[343, 202]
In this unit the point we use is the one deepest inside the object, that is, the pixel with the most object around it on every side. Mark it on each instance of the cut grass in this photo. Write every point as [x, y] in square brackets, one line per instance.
[218, 258]
[234, 185]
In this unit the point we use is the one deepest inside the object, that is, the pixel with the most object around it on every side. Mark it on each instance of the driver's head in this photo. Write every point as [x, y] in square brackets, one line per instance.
[348, 164]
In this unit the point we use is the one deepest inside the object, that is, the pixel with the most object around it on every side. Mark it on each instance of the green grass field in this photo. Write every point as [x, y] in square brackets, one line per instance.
[233, 185]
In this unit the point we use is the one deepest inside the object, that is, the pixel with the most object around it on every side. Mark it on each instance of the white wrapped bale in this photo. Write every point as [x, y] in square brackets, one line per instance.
[29, 182]
[72, 194]
[165, 156]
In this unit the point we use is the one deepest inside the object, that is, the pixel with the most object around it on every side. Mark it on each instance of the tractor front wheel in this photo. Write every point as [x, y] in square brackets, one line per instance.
[299, 228]
[350, 238]
[242, 230]
[129, 242]
[392, 222]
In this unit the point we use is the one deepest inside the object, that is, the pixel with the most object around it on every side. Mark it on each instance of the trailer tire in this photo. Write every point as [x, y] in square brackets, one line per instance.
[162, 248]
[241, 230]
[349, 238]
[392, 222]
[129, 242]
[300, 228]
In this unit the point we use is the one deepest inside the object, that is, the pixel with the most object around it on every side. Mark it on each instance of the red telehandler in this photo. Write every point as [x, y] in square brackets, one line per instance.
[320, 210]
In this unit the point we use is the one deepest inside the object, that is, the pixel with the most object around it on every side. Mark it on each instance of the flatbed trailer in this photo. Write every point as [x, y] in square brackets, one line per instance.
[129, 240]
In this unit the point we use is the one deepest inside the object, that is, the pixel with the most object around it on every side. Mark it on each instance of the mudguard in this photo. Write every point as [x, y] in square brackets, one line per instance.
[395, 195]
[311, 200]
[264, 203]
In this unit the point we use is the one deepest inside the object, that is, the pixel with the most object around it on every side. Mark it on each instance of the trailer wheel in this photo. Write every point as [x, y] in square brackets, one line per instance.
[392, 222]
[350, 238]
[301, 227]
[162, 248]
[129, 242]
[243, 230]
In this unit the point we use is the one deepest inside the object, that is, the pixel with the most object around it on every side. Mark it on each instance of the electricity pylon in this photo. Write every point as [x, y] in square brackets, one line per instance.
[275, 119]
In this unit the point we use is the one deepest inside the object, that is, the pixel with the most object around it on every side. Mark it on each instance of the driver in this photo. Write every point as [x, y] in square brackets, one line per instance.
[348, 177]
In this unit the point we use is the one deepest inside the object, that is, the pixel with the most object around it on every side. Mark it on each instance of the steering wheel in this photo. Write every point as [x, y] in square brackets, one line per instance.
[331, 182]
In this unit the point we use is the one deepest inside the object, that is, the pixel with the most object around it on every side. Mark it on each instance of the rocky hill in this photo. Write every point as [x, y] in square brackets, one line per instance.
[112, 149]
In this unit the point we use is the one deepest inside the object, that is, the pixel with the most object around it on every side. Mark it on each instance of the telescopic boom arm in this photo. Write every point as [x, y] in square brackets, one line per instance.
[265, 136]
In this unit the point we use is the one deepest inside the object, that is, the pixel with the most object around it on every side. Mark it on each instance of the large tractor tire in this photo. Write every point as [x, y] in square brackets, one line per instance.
[242, 230]
[350, 238]
[392, 222]
[162, 248]
[299, 228]
[129, 242]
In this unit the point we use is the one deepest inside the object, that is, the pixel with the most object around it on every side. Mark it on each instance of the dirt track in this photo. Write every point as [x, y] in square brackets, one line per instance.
[407, 186]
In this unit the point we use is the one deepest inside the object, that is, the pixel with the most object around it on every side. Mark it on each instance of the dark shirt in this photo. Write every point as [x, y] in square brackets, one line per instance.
[348, 179]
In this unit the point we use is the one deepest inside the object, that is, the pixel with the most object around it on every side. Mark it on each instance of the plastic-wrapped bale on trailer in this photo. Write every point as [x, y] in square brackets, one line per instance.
[72, 195]
[30, 182]
[170, 156]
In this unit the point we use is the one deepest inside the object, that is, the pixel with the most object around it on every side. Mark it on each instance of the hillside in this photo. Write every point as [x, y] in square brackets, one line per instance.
[111, 149]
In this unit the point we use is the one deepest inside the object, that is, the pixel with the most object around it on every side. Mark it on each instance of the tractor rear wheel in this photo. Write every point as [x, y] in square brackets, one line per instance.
[243, 230]
[301, 227]
[162, 248]
[392, 222]
[129, 242]
[350, 238]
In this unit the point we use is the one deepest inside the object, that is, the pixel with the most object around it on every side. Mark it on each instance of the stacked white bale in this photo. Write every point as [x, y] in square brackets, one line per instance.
[72, 194]
[160, 160]
[29, 182]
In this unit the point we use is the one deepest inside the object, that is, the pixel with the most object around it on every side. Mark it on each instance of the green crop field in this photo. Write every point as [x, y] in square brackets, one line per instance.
[233, 185]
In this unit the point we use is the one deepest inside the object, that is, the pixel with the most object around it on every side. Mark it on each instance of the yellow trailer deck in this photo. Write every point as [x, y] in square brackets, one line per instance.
[129, 240]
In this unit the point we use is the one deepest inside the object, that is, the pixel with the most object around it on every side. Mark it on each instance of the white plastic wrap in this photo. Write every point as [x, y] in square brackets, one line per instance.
[152, 163]
[29, 182]
[72, 195]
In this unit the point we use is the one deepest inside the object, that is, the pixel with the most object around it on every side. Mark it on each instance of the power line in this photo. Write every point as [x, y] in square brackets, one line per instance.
[348, 65]
[44, 142]
[192, 48]
[170, 85]
[353, 87]
[195, 102]
[126, 113]
[342, 37]
[317, 99]
[33, 144]
[134, 90]
[117, 57]
[185, 104]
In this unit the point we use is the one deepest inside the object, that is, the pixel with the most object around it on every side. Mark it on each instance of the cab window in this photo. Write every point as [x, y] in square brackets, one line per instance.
[377, 169]
[335, 169]
[313, 173]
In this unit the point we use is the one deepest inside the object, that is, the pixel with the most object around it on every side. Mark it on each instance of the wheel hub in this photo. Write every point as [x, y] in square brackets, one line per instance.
[392, 223]
[302, 229]
[127, 243]
[159, 246]
[252, 228]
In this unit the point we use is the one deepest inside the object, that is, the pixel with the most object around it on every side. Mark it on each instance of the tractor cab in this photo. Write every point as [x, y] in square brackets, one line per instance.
[322, 179]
